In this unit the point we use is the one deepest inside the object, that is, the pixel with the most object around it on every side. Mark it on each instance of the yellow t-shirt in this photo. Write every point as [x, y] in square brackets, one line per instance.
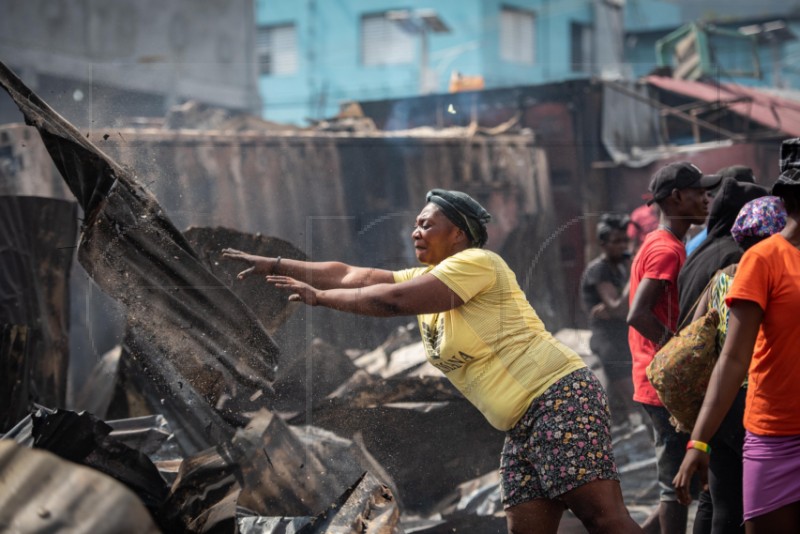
[493, 348]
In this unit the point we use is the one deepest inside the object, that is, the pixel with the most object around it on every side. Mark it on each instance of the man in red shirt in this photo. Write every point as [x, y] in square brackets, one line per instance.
[679, 189]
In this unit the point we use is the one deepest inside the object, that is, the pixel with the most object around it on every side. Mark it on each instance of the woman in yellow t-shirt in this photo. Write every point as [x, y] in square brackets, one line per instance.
[480, 331]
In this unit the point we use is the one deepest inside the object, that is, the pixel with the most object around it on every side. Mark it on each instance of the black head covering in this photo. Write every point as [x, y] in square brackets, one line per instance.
[463, 211]
[718, 250]
[740, 173]
[787, 181]
[731, 197]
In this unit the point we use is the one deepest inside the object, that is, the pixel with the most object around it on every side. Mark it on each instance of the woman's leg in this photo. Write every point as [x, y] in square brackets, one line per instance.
[705, 510]
[538, 515]
[725, 472]
[784, 520]
[599, 506]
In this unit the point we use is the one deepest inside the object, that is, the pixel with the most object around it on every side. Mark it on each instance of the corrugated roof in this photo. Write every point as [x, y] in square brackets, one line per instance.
[774, 112]
[40, 492]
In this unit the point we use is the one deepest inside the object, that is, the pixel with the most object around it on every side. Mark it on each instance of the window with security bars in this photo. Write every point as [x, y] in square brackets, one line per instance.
[276, 49]
[517, 34]
[384, 42]
[580, 47]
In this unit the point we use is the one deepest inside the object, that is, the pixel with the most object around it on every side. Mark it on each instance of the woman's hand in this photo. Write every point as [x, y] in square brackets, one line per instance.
[258, 264]
[301, 292]
[694, 461]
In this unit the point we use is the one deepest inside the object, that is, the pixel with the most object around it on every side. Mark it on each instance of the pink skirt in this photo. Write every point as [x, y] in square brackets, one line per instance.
[770, 479]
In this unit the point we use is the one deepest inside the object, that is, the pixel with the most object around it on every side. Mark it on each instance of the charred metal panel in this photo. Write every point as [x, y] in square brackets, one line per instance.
[40, 492]
[269, 304]
[15, 360]
[280, 475]
[176, 309]
[386, 429]
[37, 244]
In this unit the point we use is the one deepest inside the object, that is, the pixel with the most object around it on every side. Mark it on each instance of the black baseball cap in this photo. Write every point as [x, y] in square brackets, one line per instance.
[679, 175]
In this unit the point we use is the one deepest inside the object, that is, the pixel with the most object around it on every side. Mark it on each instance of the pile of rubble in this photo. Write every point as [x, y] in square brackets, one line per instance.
[385, 454]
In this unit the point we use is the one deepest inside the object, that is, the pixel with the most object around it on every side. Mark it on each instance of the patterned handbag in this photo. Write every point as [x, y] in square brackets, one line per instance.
[680, 371]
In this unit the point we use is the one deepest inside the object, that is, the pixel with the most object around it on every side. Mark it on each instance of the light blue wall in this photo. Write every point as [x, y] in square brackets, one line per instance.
[330, 69]
[642, 15]
[552, 61]
[336, 74]
[640, 51]
[640, 54]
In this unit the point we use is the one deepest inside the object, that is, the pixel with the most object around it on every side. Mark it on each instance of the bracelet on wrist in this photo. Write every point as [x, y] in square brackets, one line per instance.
[275, 267]
[699, 445]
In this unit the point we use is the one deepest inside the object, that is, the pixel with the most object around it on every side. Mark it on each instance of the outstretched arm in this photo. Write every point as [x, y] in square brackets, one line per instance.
[323, 275]
[423, 294]
[726, 379]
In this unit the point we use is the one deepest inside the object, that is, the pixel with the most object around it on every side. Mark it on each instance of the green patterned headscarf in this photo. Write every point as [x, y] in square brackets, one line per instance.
[463, 211]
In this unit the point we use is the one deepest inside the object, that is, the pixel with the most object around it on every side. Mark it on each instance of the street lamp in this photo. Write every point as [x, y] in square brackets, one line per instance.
[421, 22]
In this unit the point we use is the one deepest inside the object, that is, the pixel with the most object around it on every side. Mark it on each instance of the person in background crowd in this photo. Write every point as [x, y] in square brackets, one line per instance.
[603, 292]
[740, 173]
[680, 190]
[719, 249]
[719, 509]
[644, 220]
[480, 331]
[763, 302]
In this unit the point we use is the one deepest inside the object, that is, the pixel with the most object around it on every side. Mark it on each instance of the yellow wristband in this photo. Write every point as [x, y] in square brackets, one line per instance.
[699, 445]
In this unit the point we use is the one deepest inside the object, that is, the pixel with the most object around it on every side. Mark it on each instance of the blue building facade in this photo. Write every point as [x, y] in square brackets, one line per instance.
[315, 54]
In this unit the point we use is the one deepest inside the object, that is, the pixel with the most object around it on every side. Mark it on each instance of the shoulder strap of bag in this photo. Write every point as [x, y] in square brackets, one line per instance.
[688, 318]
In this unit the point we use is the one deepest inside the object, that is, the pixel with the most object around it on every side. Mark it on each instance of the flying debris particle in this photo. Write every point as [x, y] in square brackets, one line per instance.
[105, 137]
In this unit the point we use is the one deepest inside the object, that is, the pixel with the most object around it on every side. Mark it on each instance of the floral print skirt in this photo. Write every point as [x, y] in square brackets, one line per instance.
[562, 442]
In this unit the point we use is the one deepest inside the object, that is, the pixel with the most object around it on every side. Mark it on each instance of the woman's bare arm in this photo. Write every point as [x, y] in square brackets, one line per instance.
[322, 275]
[423, 294]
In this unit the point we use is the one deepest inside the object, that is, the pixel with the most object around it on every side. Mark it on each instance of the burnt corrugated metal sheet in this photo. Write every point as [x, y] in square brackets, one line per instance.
[37, 245]
[189, 329]
[41, 493]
